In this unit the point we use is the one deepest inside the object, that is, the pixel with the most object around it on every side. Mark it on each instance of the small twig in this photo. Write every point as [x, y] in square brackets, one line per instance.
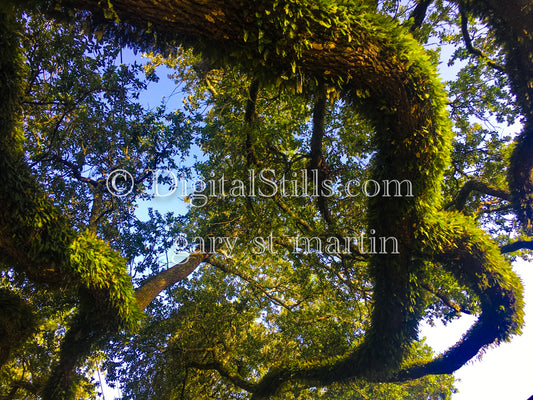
[453, 305]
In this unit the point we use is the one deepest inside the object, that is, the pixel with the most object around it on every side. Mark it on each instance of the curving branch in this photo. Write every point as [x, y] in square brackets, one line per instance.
[477, 186]
[468, 42]
[476, 263]
[414, 106]
[405, 103]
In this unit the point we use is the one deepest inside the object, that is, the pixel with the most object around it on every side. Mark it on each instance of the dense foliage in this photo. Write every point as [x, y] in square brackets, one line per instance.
[340, 225]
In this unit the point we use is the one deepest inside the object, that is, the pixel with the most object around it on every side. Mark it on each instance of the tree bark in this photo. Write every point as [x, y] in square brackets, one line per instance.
[394, 87]
[150, 289]
[405, 105]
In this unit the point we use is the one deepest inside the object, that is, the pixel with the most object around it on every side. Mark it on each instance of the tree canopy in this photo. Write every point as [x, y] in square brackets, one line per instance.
[341, 194]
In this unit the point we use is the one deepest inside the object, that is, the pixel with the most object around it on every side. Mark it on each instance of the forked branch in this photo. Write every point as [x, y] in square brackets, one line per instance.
[468, 42]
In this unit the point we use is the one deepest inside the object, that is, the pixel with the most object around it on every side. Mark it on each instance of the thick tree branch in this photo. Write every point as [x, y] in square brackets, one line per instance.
[419, 13]
[375, 77]
[150, 289]
[317, 164]
[411, 104]
[477, 186]
[480, 268]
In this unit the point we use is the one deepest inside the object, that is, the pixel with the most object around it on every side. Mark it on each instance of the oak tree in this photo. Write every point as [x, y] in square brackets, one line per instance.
[330, 93]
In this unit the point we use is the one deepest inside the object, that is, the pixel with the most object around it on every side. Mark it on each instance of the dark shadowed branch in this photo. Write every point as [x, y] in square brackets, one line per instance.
[477, 186]
[468, 42]
[518, 245]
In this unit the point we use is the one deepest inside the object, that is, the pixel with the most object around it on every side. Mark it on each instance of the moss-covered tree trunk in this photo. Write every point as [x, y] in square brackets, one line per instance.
[383, 72]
